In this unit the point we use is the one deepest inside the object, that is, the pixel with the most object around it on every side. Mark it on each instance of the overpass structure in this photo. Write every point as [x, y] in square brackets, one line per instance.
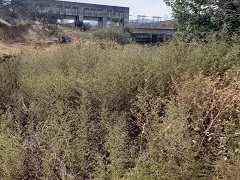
[82, 11]
[152, 35]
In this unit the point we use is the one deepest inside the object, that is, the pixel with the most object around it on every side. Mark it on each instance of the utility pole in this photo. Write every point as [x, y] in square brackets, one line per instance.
[141, 17]
[155, 20]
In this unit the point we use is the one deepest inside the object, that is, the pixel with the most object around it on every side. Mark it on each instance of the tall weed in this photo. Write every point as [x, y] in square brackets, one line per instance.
[100, 110]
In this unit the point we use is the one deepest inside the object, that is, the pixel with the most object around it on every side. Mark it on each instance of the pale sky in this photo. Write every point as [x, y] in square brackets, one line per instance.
[137, 7]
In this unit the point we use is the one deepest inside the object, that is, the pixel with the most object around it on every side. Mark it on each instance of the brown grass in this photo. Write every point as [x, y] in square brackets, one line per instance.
[99, 110]
[19, 38]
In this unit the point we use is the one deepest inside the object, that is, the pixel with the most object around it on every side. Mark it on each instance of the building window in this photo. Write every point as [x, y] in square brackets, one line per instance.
[71, 11]
[86, 12]
[93, 12]
[116, 14]
[99, 12]
[121, 14]
[43, 8]
[60, 10]
[110, 13]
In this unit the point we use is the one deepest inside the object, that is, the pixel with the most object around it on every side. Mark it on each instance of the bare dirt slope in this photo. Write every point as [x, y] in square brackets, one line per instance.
[14, 38]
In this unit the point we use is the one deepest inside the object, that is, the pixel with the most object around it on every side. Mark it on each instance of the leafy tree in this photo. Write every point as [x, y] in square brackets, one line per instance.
[199, 17]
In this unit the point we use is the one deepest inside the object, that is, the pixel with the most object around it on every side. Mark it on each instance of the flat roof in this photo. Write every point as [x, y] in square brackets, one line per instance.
[90, 3]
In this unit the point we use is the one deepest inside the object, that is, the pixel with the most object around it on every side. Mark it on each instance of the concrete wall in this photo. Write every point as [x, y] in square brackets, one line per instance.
[152, 35]
[83, 11]
[167, 31]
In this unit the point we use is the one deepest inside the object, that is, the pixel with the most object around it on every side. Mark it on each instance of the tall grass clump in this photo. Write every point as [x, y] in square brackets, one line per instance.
[100, 110]
[9, 81]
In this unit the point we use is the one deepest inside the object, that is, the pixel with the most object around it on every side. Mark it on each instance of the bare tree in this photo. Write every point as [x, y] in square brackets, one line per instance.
[15, 9]
[12, 7]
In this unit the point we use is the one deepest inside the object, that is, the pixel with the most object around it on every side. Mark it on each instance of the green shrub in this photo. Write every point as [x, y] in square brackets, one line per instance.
[113, 34]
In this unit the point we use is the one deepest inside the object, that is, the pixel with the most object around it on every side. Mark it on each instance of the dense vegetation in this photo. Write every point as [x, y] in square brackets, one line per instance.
[198, 18]
[100, 110]
[109, 109]
[116, 34]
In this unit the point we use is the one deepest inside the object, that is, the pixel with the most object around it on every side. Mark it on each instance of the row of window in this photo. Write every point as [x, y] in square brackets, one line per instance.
[93, 12]
[43, 8]
[119, 14]
[87, 11]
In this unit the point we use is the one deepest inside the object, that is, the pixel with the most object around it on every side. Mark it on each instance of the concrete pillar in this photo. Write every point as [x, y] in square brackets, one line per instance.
[78, 20]
[102, 23]
[126, 18]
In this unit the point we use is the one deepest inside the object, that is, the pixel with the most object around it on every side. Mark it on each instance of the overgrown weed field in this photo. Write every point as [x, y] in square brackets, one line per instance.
[100, 110]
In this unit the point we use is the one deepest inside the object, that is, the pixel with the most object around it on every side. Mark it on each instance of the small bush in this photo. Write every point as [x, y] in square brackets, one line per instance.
[64, 39]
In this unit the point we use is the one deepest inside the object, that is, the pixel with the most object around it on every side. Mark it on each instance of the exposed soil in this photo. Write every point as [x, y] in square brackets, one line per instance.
[14, 39]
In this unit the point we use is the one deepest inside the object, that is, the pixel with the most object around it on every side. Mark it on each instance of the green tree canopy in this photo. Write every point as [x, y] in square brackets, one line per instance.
[199, 17]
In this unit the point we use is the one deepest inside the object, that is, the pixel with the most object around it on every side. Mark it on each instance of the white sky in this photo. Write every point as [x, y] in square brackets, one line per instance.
[137, 7]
